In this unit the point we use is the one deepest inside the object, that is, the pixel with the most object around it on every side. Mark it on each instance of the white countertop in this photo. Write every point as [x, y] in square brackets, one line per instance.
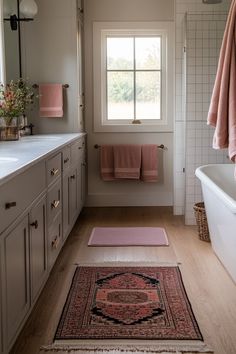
[17, 156]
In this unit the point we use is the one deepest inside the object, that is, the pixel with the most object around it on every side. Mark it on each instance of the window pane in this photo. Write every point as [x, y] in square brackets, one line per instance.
[148, 53]
[120, 95]
[120, 53]
[148, 95]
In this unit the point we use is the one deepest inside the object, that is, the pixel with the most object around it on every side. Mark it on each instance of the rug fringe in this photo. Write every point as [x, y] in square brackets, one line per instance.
[90, 349]
[129, 264]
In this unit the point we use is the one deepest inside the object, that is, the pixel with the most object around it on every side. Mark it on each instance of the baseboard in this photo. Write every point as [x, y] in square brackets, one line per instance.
[102, 200]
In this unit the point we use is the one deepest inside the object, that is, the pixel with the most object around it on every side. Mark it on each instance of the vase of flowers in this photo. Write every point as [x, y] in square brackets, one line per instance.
[15, 98]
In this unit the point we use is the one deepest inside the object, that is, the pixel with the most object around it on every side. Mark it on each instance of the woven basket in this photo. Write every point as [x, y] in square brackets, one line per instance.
[201, 219]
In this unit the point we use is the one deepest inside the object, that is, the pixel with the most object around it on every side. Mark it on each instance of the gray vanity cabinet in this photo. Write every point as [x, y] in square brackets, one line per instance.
[15, 280]
[72, 185]
[37, 208]
[38, 247]
[1, 319]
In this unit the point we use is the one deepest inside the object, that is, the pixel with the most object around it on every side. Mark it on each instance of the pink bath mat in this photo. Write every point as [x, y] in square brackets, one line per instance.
[128, 236]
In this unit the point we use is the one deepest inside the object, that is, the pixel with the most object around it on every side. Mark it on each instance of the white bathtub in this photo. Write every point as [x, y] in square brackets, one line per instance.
[219, 194]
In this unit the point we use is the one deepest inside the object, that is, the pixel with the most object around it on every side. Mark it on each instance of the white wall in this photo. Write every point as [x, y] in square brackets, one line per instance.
[190, 122]
[126, 192]
[50, 56]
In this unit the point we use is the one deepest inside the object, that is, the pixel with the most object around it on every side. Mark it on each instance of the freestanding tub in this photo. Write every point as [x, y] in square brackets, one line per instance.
[219, 194]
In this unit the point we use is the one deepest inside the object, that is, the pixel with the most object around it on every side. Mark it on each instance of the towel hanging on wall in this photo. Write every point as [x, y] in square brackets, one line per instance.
[51, 100]
[127, 161]
[133, 162]
[222, 111]
[149, 168]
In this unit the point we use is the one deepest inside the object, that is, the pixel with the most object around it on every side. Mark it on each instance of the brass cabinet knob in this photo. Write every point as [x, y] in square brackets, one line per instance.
[35, 224]
[55, 204]
[55, 242]
[10, 205]
[54, 171]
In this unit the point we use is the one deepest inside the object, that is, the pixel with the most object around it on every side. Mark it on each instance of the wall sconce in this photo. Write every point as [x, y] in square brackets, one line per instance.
[28, 8]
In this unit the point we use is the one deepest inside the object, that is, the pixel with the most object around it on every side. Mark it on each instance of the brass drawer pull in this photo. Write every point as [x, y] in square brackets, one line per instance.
[55, 242]
[55, 204]
[66, 160]
[10, 205]
[54, 171]
[72, 177]
[35, 224]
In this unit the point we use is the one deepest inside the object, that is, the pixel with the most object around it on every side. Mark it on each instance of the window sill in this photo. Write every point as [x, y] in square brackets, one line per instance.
[132, 128]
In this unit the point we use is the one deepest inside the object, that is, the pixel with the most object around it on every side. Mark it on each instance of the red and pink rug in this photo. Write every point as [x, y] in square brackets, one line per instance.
[127, 303]
[128, 236]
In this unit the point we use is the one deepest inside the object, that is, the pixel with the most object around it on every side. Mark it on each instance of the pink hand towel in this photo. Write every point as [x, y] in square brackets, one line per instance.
[50, 100]
[107, 163]
[222, 111]
[149, 170]
[127, 161]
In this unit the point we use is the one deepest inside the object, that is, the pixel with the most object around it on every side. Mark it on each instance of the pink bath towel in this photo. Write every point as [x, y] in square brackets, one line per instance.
[222, 111]
[107, 163]
[127, 161]
[50, 100]
[149, 171]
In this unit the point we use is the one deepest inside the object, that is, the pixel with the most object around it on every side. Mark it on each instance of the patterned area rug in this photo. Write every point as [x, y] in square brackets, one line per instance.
[127, 309]
[127, 303]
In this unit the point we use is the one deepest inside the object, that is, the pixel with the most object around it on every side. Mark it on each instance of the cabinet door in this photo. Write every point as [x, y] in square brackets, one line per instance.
[73, 200]
[81, 182]
[16, 279]
[65, 205]
[54, 240]
[70, 200]
[38, 247]
[1, 343]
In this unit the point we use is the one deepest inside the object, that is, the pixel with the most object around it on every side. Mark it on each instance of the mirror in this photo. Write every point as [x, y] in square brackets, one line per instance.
[12, 41]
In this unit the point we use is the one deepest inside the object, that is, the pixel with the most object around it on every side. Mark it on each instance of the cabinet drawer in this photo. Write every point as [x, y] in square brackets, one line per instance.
[54, 202]
[66, 158]
[54, 240]
[77, 150]
[19, 193]
[53, 168]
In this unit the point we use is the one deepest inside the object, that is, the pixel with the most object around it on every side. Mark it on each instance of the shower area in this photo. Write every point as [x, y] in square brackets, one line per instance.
[200, 27]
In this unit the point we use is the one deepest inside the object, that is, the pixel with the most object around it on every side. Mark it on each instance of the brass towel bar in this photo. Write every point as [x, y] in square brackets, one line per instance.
[163, 147]
[37, 86]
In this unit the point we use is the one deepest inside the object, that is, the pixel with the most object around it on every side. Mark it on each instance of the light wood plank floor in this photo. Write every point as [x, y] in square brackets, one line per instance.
[210, 289]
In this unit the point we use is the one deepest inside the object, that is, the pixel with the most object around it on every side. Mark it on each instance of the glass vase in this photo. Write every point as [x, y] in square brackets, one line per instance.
[9, 130]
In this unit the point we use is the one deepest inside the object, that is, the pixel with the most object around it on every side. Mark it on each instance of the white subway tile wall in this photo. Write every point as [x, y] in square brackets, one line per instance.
[200, 28]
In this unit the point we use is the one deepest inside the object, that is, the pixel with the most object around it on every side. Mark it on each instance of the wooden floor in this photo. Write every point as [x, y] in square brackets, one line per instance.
[211, 291]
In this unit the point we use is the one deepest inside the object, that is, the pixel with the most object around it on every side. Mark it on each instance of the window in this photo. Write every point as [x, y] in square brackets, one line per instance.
[133, 74]
[133, 71]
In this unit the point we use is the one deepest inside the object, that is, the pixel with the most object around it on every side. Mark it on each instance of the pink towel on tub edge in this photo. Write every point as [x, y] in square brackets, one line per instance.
[127, 161]
[149, 170]
[51, 100]
[107, 163]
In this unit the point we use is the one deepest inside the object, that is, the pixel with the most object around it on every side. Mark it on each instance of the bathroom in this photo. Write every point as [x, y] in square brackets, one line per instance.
[58, 46]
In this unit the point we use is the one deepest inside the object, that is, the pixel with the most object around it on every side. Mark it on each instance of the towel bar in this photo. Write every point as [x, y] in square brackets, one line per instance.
[37, 86]
[163, 147]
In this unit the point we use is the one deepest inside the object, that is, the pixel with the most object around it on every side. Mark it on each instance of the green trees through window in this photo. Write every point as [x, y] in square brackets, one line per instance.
[133, 77]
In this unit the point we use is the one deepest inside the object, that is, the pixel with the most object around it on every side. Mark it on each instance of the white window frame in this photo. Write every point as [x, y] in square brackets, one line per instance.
[102, 30]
